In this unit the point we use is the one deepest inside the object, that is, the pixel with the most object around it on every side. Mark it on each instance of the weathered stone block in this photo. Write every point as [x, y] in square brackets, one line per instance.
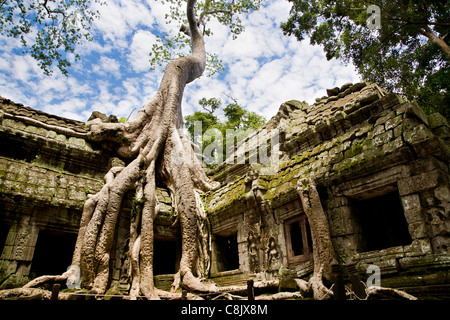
[418, 230]
[7, 252]
[419, 182]
[413, 208]
[383, 138]
[436, 120]
[393, 122]
[413, 110]
[333, 92]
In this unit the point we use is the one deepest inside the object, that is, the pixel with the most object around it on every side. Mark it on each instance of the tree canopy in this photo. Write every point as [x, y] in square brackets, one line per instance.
[407, 53]
[48, 30]
[169, 47]
[238, 122]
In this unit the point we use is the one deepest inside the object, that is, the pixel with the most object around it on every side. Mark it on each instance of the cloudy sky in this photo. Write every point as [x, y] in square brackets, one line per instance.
[263, 67]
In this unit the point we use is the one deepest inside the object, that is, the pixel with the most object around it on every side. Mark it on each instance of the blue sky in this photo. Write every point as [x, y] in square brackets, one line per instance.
[263, 67]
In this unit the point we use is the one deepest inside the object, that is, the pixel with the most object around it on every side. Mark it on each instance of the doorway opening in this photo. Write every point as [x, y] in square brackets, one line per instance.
[4, 230]
[298, 239]
[53, 253]
[383, 223]
[227, 253]
[165, 257]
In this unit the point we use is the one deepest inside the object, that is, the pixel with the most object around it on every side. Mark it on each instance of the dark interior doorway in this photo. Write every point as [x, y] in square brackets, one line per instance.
[165, 257]
[4, 230]
[382, 222]
[53, 253]
[298, 239]
[227, 252]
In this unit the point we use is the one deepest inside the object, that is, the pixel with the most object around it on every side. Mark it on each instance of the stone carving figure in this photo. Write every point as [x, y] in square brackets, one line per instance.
[272, 254]
[253, 251]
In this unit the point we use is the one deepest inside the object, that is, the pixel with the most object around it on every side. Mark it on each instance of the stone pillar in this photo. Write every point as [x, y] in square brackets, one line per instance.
[19, 248]
[425, 197]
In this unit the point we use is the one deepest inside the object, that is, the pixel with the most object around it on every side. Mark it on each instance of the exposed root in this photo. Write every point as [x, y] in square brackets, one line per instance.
[25, 294]
[153, 145]
[280, 296]
[176, 296]
[374, 293]
[315, 287]
[43, 279]
[192, 283]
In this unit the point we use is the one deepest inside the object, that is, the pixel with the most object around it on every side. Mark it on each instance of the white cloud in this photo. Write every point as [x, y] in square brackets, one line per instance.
[120, 17]
[140, 47]
[107, 66]
[264, 67]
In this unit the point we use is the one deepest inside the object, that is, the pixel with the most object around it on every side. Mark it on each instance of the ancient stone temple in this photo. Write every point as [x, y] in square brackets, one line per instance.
[379, 164]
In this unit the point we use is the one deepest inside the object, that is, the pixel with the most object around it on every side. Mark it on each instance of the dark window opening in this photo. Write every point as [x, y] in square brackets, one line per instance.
[298, 239]
[17, 148]
[383, 223]
[165, 257]
[227, 252]
[4, 230]
[53, 253]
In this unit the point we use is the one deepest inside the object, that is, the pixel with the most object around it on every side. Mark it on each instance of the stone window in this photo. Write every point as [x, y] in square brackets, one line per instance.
[53, 252]
[382, 221]
[298, 239]
[226, 252]
[166, 257]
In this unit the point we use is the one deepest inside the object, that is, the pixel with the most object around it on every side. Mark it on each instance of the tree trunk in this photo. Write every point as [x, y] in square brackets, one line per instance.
[153, 144]
[323, 251]
[438, 42]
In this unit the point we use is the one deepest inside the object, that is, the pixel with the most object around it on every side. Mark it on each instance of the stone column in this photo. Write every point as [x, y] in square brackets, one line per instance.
[19, 248]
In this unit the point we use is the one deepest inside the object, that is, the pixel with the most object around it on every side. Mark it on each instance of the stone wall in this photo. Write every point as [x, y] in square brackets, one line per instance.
[47, 169]
[380, 165]
[359, 144]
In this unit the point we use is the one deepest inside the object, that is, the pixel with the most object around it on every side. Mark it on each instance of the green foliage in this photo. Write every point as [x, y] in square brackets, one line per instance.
[210, 105]
[48, 30]
[239, 122]
[400, 55]
[170, 47]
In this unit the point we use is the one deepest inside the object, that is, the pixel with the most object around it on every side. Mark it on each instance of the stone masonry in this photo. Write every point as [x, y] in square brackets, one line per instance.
[381, 167]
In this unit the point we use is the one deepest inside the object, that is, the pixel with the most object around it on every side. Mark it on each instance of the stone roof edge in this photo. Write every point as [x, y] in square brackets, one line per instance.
[41, 118]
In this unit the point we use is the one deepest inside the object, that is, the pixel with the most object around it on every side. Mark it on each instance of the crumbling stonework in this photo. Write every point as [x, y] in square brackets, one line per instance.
[359, 143]
[375, 167]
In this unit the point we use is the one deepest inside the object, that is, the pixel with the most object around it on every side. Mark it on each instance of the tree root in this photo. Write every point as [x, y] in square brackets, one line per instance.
[315, 286]
[192, 283]
[30, 294]
[280, 296]
[374, 293]
[43, 279]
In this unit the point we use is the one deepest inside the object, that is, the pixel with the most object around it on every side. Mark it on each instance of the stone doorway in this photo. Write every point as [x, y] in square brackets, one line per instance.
[226, 252]
[166, 257]
[298, 239]
[382, 221]
[53, 253]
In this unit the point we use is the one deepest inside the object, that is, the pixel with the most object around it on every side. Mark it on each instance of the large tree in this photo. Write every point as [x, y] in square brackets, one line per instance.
[153, 146]
[401, 45]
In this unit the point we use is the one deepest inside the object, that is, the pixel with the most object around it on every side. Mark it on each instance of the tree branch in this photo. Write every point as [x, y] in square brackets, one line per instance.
[50, 11]
[438, 42]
